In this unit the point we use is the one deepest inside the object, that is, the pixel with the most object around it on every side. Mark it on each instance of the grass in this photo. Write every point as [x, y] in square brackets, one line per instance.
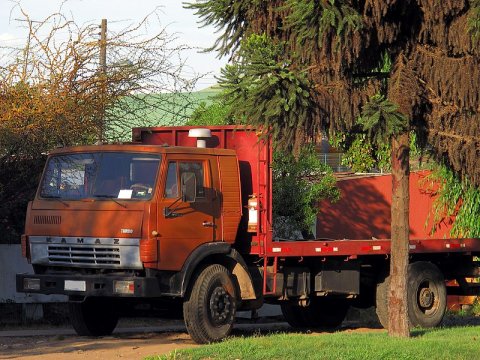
[446, 343]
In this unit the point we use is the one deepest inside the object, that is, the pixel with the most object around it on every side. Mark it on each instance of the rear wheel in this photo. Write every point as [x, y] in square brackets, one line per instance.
[324, 313]
[93, 317]
[426, 296]
[329, 313]
[209, 310]
[381, 300]
[294, 315]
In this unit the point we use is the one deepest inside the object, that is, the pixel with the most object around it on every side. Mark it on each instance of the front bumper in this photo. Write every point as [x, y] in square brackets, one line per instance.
[93, 285]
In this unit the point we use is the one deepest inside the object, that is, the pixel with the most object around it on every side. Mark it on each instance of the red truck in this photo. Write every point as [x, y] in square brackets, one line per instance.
[162, 221]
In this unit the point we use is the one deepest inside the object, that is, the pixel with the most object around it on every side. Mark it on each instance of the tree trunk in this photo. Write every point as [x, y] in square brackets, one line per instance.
[398, 324]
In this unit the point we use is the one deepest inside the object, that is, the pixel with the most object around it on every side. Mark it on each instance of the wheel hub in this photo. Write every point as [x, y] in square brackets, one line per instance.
[426, 298]
[220, 308]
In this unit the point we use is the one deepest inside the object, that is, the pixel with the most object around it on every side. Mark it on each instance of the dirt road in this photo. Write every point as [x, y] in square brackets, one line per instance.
[128, 346]
[133, 339]
[126, 343]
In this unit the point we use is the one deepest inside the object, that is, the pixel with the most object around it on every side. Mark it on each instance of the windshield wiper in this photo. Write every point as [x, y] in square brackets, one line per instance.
[55, 197]
[104, 196]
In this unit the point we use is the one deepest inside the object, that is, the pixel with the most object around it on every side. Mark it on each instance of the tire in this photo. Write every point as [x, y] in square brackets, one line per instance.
[426, 296]
[327, 313]
[381, 300]
[294, 315]
[209, 309]
[93, 317]
[321, 313]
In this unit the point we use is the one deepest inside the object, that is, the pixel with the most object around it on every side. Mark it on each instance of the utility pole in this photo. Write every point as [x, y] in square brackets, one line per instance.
[103, 46]
[103, 75]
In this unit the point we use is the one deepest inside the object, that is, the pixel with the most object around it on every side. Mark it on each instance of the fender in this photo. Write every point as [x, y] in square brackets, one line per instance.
[182, 278]
[250, 287]
[230, 258]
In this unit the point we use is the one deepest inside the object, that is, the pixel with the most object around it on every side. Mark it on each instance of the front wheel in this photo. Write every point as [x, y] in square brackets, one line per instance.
[209, 309]
[93, 317]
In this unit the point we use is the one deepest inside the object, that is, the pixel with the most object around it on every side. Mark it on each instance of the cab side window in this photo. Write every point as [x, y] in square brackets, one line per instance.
[171, 186]
[174, 173]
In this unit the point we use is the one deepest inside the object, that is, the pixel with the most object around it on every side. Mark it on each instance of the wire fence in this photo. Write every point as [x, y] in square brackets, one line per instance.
[334, 160]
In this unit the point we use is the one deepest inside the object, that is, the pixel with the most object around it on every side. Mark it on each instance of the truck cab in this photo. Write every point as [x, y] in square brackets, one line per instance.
[116, 223]
[135, 201]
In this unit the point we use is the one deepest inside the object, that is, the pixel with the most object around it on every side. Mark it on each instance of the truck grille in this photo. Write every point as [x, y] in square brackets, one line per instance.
[86, 252]
[47, 220]
[81, 255]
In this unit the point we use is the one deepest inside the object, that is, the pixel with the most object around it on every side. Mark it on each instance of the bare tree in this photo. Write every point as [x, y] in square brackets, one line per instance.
[59, 63]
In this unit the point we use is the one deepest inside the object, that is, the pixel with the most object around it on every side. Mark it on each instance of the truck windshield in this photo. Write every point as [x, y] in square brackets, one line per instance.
[100, 175]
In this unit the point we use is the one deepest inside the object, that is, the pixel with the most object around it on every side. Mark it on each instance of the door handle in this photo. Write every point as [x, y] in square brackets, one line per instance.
[208, 224]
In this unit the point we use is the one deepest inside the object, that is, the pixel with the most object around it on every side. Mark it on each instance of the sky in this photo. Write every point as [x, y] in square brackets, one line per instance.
[120, 14]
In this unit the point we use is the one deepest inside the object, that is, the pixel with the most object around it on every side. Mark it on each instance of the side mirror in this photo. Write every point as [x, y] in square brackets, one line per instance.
[189, 187]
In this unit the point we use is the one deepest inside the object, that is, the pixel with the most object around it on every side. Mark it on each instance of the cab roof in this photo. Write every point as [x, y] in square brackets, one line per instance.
[156, 149]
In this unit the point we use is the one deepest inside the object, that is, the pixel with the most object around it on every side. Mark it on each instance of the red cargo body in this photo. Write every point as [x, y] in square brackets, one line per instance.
[364, 209]
[359, 224]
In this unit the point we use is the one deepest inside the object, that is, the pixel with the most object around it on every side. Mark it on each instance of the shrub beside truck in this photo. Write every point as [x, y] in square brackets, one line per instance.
[182, 217]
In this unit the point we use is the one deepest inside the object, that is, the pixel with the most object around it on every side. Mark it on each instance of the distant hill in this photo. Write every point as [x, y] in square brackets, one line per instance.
[166, 109]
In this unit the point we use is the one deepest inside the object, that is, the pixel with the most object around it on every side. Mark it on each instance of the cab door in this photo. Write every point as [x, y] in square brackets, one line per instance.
[185, 223]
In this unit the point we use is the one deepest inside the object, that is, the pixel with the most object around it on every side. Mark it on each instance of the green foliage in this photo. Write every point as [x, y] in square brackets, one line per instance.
[385, 63]
[360, 155]
[217, 113]
[263, 90]
[474, 20]
[455, 198]
[381, 119]
[311, 20]
[476, 307]
[416, 149]
[384, 157]
[299, 184]
[229, 17]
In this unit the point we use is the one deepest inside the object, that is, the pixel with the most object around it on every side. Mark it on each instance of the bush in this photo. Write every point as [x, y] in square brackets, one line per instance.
[298, 186]
[18, 183]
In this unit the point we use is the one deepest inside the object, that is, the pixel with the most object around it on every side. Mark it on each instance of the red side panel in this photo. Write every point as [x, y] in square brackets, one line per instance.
[231, 198]
[364, 210]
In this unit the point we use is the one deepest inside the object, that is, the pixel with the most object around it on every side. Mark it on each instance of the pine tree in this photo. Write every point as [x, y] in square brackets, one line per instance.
[338, 48]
